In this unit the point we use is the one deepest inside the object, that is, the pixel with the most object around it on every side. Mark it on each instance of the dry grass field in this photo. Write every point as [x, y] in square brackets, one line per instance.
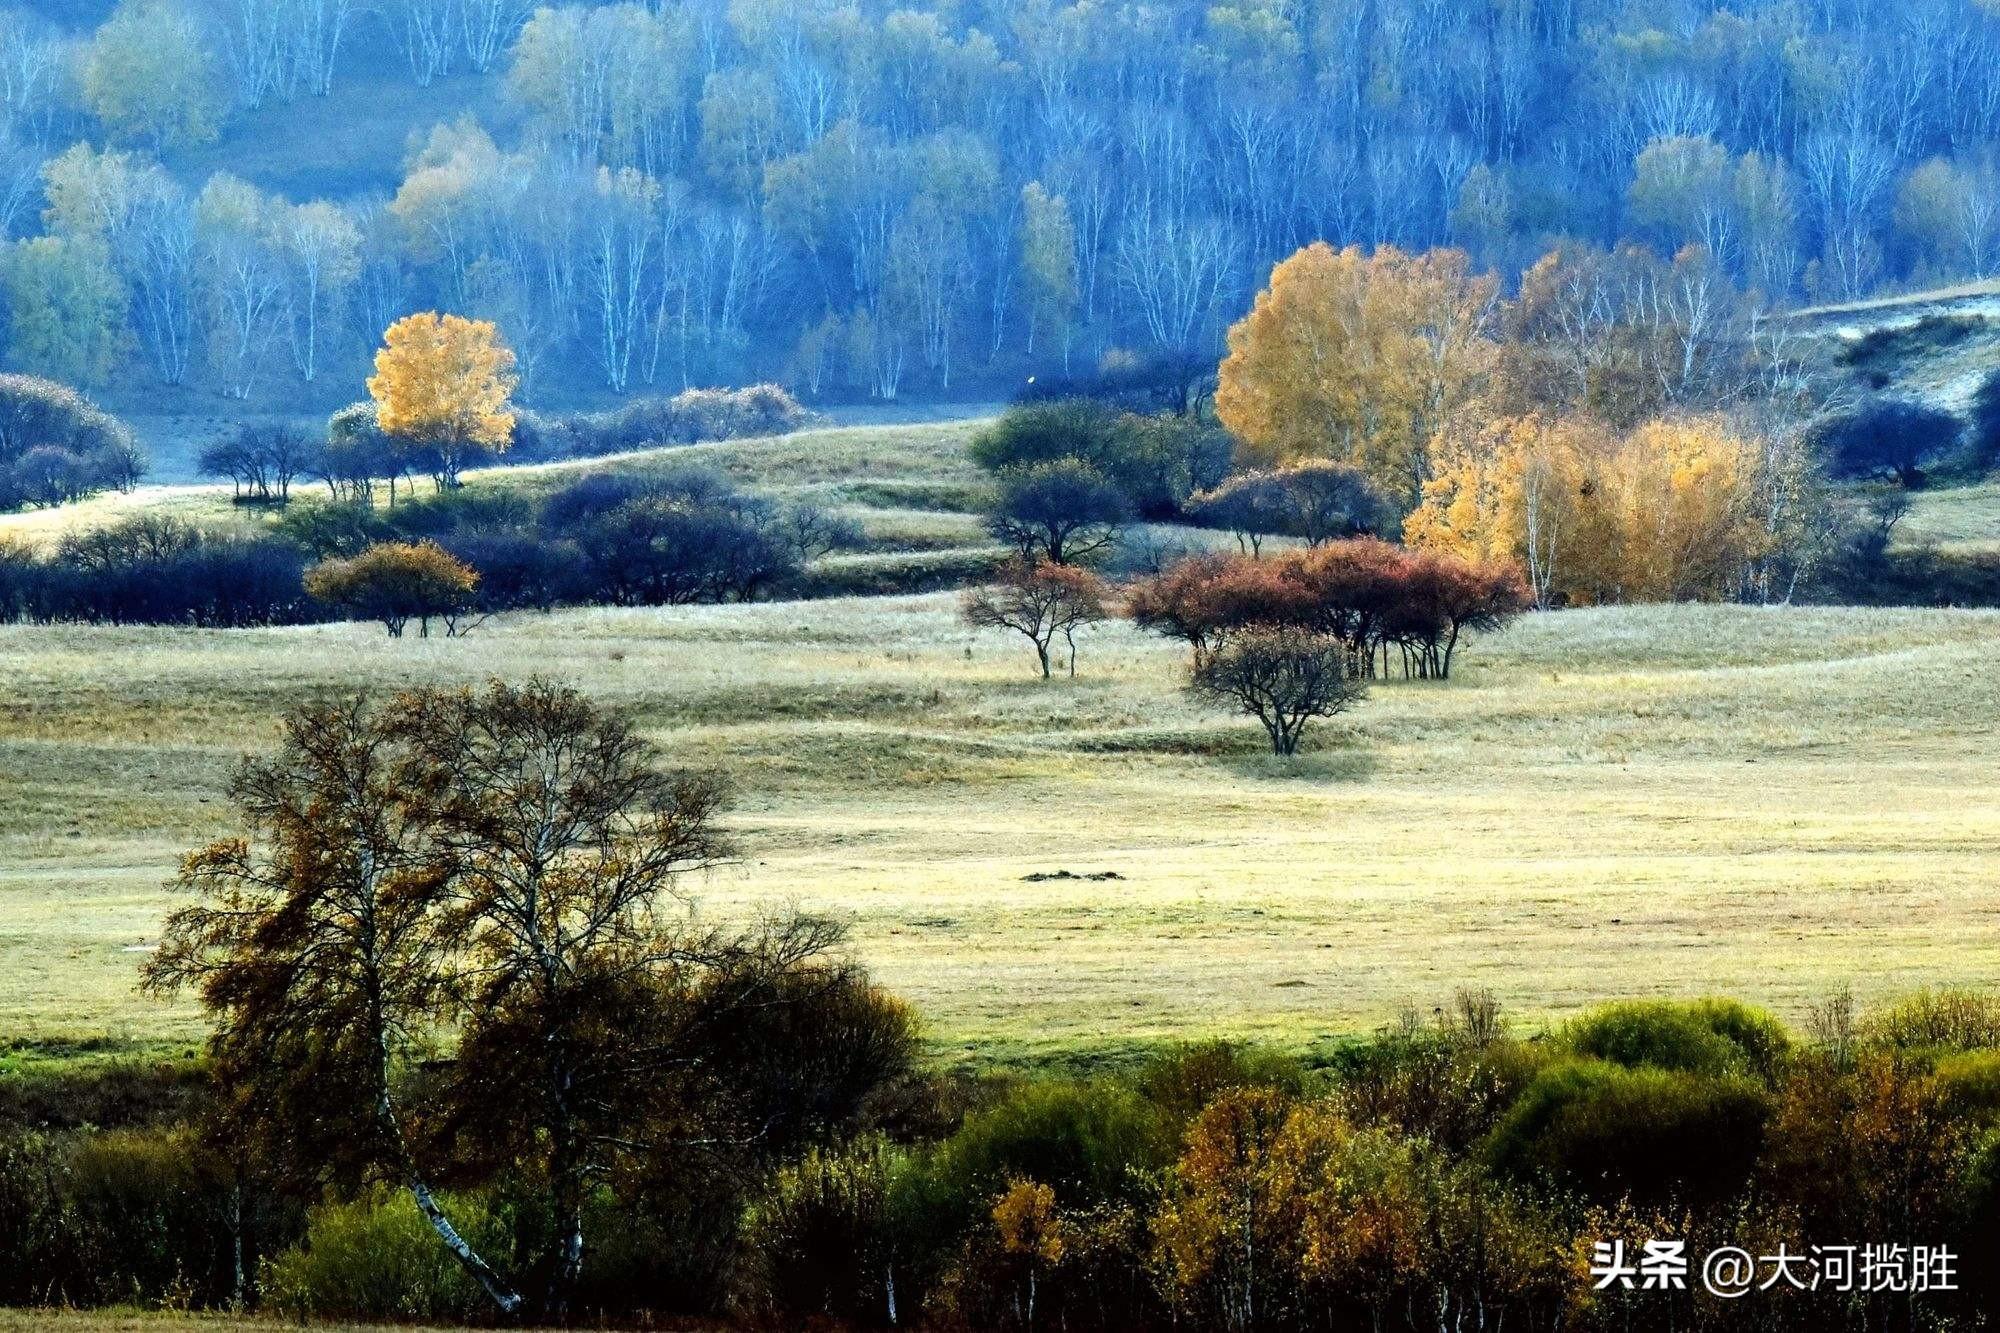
[1673, 800]
[1670, 800]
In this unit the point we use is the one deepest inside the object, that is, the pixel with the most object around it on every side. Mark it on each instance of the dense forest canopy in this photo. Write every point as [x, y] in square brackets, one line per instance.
[940, 199]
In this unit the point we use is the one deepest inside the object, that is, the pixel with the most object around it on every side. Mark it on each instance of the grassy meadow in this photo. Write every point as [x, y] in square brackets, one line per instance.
[1653, 801]
[1667, 800]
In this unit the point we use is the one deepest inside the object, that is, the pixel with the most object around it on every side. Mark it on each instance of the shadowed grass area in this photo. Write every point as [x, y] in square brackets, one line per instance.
[1674, 800]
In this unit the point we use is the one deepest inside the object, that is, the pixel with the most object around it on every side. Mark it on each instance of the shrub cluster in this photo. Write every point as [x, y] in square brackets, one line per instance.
[1888, 438]
[686, 536]
[1075, 466]
[680, 537]
[1370, 597]
[1439, 1173]
[1176, 382]
[689, 417]
[1896, 438]
[156, 570]
[1439, 1176]
[1294, 637]
[1315, 501]
[56, 446]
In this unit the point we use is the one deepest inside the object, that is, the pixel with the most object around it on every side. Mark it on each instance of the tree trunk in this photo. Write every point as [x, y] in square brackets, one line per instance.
[238, 1283]
[468, 1258]
[391, 1131]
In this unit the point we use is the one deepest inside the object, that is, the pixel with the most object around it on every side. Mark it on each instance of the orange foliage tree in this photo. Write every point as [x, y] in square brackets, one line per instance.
[397, 582]
[1358, 358]
[1370, 597]
[442, 384]
[1678, 509]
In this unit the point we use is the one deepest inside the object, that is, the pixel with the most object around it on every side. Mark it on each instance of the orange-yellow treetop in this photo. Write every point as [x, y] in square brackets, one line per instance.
[445, 380]
[1357, 358]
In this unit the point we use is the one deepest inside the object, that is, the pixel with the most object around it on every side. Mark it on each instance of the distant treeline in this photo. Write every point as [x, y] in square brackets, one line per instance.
[865, 199]
[354, 455]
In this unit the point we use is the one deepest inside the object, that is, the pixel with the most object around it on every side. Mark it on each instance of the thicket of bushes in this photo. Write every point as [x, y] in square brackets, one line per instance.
[684, 536]
[56, 446]
[692, 416]
[1441, 1171]
[156, 570]
[1150, 464]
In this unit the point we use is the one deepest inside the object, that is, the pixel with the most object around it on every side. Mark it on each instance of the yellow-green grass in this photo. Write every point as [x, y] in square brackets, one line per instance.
[1679, 800]
[1953, 519]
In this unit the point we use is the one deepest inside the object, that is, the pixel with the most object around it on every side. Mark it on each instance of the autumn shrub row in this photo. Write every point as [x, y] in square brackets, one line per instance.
[1382, 603]
[1433, 1177]
[1440, 1173]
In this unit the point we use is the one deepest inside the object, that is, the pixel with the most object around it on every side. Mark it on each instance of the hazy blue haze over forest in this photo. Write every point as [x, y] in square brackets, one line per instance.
[217, 205]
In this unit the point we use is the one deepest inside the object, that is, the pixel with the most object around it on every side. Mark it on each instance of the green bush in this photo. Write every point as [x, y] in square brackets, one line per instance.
[1155, 462]
[1435, 1085]
[1939, 1020]
[1092, 1142]
[151, 1216]
[1979, 1223]
[36, 1221]
[1657, 1135]
[465, 509]
[1181, 1082]
[145, 1216]
[377, 1258]
[1969, 1085]
[1711, 1037]
[1045, 432]
[818, 1243]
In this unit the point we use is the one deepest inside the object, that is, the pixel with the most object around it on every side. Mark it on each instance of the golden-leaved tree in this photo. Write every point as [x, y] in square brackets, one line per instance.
[442, 384]
[1677, 505]
[1512, 490]
[1358, 358]
[1676, 510]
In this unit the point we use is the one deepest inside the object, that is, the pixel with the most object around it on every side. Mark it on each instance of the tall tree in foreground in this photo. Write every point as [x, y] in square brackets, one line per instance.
[563, 839]
[450, 947]
[443, 382]
[318, 952]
